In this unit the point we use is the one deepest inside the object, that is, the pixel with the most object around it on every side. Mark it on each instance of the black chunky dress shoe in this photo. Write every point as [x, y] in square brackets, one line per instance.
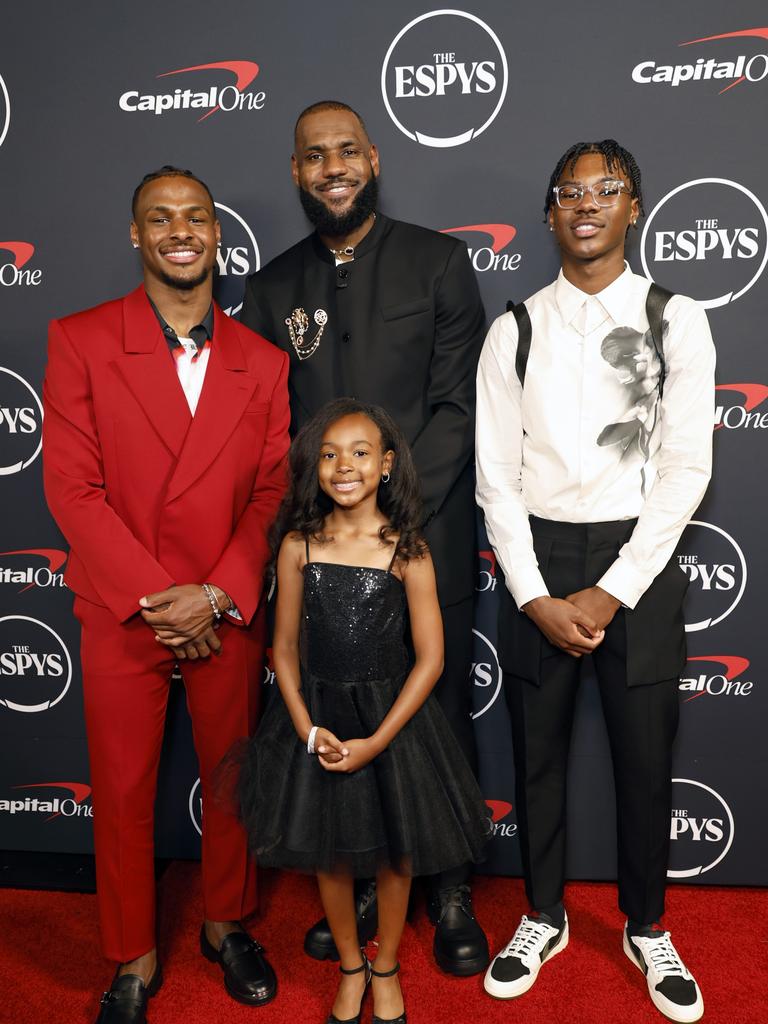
[318, 942]
[460, 945]
[126, 1001]
[248, 976]
[402, 1019]
[364, 966]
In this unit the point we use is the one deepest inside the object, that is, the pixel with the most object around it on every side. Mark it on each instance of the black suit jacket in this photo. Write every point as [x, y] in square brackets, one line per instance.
[405, 325]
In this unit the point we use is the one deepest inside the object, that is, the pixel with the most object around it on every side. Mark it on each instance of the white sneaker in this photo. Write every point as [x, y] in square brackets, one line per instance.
[516, 967]
[671, 985]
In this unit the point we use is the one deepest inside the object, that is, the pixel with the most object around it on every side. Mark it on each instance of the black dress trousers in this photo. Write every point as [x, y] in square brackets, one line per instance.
[638, 666]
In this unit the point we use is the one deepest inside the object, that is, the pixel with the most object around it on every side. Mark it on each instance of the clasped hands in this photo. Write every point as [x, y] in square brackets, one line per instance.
[348, 756]
[577, 623]
[182, 619]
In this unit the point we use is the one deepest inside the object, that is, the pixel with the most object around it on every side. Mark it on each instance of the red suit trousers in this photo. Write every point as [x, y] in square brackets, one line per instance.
[126, 680]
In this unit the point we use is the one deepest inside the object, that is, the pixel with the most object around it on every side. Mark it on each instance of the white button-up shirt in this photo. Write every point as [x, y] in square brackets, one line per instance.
[587, 439]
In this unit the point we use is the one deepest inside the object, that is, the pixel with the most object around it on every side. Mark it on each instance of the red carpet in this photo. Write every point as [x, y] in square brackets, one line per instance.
[51, 970]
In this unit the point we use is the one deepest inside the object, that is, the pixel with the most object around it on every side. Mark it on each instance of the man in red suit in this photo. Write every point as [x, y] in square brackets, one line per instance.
[166, 430]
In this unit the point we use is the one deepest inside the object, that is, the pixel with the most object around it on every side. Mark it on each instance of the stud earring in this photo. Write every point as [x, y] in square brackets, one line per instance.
[135, 245]
[551, 227]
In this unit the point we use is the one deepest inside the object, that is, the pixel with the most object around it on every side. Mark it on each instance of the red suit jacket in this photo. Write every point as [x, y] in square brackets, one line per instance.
[147, 495]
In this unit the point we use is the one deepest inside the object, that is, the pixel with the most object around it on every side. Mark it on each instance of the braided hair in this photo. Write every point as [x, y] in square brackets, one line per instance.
[616, 159]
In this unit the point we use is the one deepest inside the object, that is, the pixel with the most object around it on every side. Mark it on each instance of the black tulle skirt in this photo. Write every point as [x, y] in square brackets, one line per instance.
[415, 808]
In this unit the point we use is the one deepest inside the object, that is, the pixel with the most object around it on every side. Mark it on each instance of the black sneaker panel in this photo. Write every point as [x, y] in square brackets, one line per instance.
[677, 990]
[508, 968]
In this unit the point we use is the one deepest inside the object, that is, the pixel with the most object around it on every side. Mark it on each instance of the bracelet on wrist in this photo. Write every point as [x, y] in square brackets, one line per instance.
[212, 600]
[311, 739]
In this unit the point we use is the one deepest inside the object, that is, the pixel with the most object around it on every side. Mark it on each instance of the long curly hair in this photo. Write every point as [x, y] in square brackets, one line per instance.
[305, 505]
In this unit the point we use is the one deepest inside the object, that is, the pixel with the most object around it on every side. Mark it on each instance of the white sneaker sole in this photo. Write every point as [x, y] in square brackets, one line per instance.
[513, 989]
[681, 1014]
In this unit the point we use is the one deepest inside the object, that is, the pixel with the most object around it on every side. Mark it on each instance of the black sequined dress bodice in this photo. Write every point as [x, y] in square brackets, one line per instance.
[353, 623]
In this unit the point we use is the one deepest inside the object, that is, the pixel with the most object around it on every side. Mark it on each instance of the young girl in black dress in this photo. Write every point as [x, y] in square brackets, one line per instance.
[355, 772]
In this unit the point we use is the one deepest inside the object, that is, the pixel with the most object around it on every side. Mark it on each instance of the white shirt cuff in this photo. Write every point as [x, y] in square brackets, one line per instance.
[624, 583]
[527, 584]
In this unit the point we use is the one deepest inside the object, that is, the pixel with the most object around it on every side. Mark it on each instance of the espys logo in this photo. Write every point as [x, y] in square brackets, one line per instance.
[5, 111]
[444, 78]
[738, 414]
[228, 98]
[486, 576]
[15, 271]
[489, 257]
[237, 257]
[21, 421]
[500, 809]
[196, 807]
[707, 238]
[701, 829]
[744, 68]
[21, 569]
[35, 666]
[726, 683]
[54, 805]
[717, 569]
[485, 673]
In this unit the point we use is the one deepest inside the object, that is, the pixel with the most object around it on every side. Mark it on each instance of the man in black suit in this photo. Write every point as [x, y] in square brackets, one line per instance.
[390, 313]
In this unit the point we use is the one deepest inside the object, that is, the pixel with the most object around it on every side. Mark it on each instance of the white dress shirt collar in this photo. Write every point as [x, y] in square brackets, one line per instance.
[585, 312]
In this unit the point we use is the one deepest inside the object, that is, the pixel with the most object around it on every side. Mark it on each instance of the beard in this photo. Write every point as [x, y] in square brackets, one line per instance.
[185, 284]
[338, 225]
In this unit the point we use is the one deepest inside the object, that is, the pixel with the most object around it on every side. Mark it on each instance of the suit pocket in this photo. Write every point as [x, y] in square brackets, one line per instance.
[410, 308]
[257, 409]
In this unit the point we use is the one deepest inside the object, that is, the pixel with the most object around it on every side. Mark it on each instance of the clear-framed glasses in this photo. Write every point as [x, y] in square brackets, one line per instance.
[604, 193]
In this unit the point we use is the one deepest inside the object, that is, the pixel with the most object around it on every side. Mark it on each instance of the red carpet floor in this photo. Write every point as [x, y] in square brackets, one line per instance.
[51, 970]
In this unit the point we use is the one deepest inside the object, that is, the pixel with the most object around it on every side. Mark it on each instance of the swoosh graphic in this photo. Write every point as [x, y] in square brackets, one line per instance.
[54, 557]
[79, 791]
[22, 252]
[754, 33]
[733, 664]
[754, 394]
[244, 71]
[501, 234]
[499, 809]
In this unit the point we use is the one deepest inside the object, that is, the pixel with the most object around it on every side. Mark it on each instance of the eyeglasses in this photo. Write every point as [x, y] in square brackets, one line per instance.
[604, 193]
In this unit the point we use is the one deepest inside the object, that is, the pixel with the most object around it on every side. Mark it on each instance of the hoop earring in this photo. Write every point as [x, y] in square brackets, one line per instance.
[385, 477]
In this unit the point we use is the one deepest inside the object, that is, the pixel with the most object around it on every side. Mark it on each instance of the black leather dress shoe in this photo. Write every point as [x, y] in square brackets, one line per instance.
[126, 1001]
[248, 976]
[460, 945]
[318, 942]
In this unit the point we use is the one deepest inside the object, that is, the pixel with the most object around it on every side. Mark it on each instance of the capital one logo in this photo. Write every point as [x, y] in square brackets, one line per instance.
[486, 576]
[5, 111]
[14, 271]
[485, 674]
[235, 260]
[231, 96]
[741, 407]
[706, 238]
[484, 256]
[21, 421]
[743, 67]
[269, 669]
[23, 570]
[196, 807]
[444, 78]
[35, 666]
[727, 682]
[701, 830]
[717, 569]
[53, 804]
[500, 810]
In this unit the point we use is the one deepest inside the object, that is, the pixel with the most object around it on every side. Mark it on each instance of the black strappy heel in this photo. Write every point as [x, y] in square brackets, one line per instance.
[389, 1020]
[364, 966]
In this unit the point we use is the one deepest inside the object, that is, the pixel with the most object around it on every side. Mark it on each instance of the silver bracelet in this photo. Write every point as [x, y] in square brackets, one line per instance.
[208, 591]
[311, 740]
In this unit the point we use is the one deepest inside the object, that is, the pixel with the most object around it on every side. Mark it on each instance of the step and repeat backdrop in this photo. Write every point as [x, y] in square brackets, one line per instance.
[470, 109]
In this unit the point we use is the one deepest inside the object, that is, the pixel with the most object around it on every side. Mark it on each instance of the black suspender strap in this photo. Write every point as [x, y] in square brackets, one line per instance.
[523, 337]
[655, 305]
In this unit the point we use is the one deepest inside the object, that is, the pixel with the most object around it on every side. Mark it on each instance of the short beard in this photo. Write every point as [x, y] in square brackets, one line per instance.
[332, 225]
[186, 284]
